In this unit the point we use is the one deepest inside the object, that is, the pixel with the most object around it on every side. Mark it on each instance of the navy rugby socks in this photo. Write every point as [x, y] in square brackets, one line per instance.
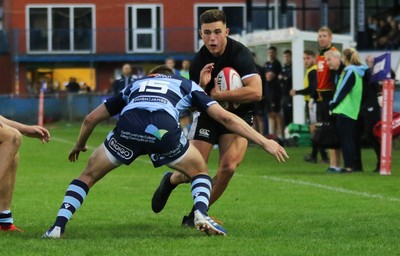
[76, 193]
[201, 190]
[6, 218]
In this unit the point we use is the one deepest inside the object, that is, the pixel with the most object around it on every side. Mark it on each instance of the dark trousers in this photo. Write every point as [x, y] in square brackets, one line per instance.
[323, 116]
[287, 109]
[364, 127]
[345, 127]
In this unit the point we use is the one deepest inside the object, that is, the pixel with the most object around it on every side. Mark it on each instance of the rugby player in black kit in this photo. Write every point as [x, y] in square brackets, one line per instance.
[205, 132]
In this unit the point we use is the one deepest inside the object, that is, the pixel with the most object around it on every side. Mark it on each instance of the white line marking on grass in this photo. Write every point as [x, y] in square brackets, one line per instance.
[292, 181]
[336, 189]
[68, 142]
[93, 148]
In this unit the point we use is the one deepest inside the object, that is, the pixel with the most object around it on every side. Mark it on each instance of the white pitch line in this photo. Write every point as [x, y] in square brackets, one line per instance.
[68, 142]
[330, 188]
[292, 181]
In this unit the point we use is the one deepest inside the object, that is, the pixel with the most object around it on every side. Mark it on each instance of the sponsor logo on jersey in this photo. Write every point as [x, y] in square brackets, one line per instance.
[204, 133]
[153, 130]
[121, 150]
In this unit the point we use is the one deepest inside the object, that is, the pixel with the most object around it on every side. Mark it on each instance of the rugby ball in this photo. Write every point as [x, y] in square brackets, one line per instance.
[227, 80]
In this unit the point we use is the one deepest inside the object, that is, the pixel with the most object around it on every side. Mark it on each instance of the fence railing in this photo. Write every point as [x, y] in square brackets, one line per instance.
[71, 107]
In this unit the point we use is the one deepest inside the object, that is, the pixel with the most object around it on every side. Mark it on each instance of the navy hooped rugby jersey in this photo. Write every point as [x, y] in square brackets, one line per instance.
[237, 56]
[170, 93]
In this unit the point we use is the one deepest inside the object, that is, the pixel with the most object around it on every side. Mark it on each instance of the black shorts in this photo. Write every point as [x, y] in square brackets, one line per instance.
[206, 129]
[139, 132]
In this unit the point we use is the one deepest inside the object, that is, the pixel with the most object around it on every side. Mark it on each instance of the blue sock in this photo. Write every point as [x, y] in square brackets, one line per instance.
[76, 193]
[6, 218]
[201, 190]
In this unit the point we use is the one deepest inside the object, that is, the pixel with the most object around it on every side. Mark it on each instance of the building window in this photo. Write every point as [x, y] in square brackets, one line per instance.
[60, 29]
[144, 33]
[264, 18]
[235, 19]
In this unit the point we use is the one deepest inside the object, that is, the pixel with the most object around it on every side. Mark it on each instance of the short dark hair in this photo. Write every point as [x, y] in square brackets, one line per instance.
[162, 69]
[211, 16]
[287, 52]
[273, 48]
[309, 52]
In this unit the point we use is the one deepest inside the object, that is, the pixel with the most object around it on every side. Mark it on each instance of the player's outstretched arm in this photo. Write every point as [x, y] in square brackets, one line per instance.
[240, 127]
[88, 125]
[33, 131]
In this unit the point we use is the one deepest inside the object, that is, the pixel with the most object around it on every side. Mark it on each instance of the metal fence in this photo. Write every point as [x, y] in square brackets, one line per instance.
[68, 107]
[71, 107]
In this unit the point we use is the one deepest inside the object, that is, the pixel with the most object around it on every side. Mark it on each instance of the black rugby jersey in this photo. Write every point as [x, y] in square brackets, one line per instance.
[237, 56]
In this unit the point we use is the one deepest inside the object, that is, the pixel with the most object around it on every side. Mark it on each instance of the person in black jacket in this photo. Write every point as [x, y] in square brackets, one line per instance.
[259, 106]
[73, 85]
[285, 78]
[370, 114]
[272, 69]
[124, 81]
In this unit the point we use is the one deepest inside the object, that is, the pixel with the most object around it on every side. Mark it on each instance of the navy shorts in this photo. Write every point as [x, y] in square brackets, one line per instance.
[206, 129]
[139, 132]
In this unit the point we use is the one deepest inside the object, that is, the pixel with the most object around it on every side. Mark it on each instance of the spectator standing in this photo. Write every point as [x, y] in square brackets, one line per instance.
[346, 102]
[285, 78]
[124, 81]
[325, 90]
[184, 72]
[170, 62]
[259, 106]
[370, 114]
[394, 36]
[274, 94]
[382, 33]
[310, 85]
[73, 86]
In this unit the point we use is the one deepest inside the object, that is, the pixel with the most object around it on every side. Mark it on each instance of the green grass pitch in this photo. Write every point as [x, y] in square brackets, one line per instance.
[268, 209]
